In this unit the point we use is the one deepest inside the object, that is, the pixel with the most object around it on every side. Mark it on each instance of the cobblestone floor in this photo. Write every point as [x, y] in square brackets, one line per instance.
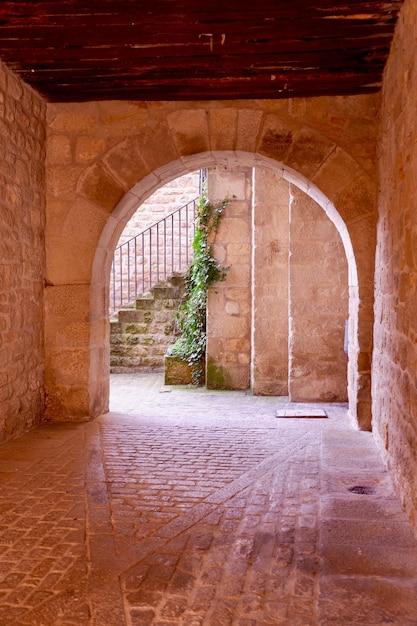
[199, 508]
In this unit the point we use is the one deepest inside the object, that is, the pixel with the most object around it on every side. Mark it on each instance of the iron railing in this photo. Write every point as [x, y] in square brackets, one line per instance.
[152, 256]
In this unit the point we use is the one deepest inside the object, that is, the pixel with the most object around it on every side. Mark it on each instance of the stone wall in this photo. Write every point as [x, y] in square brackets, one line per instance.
[395, 354]
[318, 304]
[22, 262]
[276, 325]
[270, 284]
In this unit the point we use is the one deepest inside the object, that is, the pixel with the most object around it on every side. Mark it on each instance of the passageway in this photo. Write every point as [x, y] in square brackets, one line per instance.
[184, 506]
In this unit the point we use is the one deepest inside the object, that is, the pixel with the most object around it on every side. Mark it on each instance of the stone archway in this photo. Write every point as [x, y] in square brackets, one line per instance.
[319, 152]
[127, 206]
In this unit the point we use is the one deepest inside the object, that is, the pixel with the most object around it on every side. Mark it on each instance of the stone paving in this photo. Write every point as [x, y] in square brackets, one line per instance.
[190, 507]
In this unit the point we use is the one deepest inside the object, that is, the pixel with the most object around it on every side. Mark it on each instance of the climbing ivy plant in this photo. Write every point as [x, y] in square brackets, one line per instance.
[203, 272]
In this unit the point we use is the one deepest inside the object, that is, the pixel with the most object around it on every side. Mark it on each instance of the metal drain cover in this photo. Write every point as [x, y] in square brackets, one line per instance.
[301, 413]
[362, 490]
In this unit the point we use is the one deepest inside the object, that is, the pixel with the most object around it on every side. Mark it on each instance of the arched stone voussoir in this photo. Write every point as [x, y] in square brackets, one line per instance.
[223, 128]
[125, 162]
[359, 199]
[190, 130]
[276, 137]
[336, 173]
[138, 155]
[249, 124]
[92, 218]
[100, 187]
[308, 151]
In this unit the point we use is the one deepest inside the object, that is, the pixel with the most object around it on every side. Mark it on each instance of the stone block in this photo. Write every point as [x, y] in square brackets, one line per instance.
[62, 179]
[125, 161]
[248, 127]
[67, 404]
[336, 173]
[59, 150]
[130, 316]
[178, 372]
[66, 303]
[67, 367]
[163, 292]
[145, 304]
[223, 128]
[308, 151]
[230, 185]
[100, 187]
[234, 230]
[73, 118]
[276, 139]
[157, 146]
[68, 263]
[358, 199]
[189, 129]
[88, 149]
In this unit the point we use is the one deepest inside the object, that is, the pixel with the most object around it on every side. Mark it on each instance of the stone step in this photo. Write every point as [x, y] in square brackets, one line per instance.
[145, 303]
[141, 335]
[177, 280]
[130, 316]
[165, 292]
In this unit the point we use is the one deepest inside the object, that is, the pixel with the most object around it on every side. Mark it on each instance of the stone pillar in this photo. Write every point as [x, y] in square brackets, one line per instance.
[67, 352]
[229, 302]
[270, 284]
[318, 305]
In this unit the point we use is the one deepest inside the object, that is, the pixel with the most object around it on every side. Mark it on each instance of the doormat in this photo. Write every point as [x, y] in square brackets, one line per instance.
[301, 413]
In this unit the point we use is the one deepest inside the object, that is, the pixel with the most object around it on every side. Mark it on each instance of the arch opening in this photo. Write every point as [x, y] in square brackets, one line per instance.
[226, 161]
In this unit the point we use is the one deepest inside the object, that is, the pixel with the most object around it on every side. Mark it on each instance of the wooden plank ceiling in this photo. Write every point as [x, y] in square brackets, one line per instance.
[77, 50]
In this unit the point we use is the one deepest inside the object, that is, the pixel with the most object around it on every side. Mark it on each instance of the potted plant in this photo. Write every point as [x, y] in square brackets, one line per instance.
[202, 273]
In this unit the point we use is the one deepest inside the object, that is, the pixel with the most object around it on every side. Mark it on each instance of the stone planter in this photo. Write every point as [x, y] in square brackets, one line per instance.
[178, 372]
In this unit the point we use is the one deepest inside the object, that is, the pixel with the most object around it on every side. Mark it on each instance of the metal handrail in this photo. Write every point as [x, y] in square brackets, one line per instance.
[152, 256]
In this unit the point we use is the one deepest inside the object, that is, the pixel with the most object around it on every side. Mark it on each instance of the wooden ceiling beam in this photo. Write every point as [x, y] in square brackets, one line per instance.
[92, 47]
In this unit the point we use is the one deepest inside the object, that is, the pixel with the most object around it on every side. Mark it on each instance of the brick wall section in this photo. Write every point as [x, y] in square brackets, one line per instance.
[395, 350]
[22, 263]
[318, 304]
[170, 246]
[168, 198]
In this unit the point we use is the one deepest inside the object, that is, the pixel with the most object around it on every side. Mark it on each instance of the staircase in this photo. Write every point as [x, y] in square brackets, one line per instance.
[141, 334]
[153, 255]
